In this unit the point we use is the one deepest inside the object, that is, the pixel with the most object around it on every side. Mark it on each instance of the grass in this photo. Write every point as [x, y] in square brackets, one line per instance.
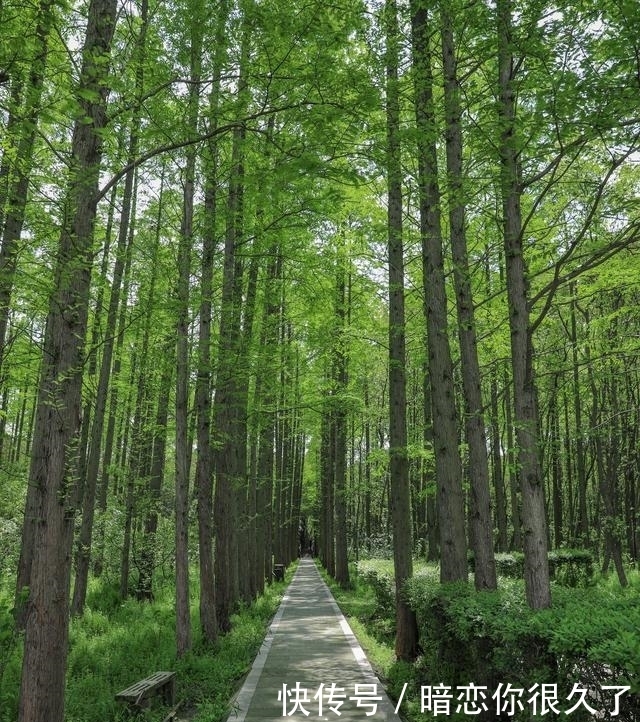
[114, 644]
[369, 608]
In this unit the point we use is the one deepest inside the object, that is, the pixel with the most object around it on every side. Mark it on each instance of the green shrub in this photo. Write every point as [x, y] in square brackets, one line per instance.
[376, 546]
[10, 655]
[572, 567]
[379, 576]
[590, 637]
[569, 567]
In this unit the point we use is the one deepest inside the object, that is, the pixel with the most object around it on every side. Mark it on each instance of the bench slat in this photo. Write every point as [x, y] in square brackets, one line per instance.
[145, 687]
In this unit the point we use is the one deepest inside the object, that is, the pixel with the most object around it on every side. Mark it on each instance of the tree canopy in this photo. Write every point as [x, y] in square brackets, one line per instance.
[338, 278]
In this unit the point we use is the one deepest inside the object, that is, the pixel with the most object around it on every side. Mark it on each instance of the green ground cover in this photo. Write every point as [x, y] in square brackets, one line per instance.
[589, 638]
[114, 644]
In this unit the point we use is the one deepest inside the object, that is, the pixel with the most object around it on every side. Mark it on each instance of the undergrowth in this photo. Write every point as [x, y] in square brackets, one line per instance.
[590, 637]
[114, 644]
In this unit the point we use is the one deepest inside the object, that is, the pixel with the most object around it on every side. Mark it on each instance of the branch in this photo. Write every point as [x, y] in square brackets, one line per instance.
[187, 142]
[597, 258]
[630, 235]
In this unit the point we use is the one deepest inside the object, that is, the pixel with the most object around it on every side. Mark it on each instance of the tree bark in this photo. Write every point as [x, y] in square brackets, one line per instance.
[581, 532]
[54, 462]
[450, 498]
[204, 462]
[227, 462]
[534, 521]
[399, 495]
[156, 477]
[497, 467]
[480, 511]
[340, 374]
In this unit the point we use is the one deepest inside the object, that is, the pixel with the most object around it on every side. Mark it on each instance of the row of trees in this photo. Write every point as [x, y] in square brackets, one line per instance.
[272, 274]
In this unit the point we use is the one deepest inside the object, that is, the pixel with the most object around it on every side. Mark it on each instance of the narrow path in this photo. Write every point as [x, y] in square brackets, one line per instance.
[311, 662]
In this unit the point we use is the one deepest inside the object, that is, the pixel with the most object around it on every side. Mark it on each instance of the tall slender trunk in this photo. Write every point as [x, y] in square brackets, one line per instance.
[147, 555]
[497, 467]
[227, 462]
[183, 445]
[54, 461]
[556, 465]
[91, 468]
[480, 508]
[534, 521]
[367, 464]
[327, 479]
[399, 493]
[204, 461]
[112, 415]
[17, 168]
[429, 482]
[230, 425]
[138, 458]
[340, 374]
[246, 490]
[581, 531]
[450, 499]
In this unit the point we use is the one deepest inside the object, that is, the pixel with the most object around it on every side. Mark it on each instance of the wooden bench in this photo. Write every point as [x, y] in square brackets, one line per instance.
[160, 683]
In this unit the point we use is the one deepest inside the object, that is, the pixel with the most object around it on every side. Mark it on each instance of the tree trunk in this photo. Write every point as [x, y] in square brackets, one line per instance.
[227, 462]
[581, 532]
[103, 486]
[54, 462]
[246, 498]
[399, 495]
[450, 498]
[534, 521]
[514, 474]
[497, 468]
[556, 465]
[156, 477]
[480, 507]
[204, 462]
[91, 468]
[327, 516]
[139, 458]
[183, 446]
[431, 511]
[340, 373]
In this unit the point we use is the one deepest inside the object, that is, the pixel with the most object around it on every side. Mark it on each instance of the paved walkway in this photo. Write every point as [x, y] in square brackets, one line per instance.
[311, 662]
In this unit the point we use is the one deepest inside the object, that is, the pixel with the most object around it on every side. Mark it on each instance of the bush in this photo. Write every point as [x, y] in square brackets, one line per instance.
[588, 638]
[379, 576]
[376, 546]
[569, 567]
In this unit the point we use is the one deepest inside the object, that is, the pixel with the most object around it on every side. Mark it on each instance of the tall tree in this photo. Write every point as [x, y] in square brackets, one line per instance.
[52, 477]
[230, 426]
[204, 463]
[340, 374]
[453, 552]
[400, 502]
[91, 467]
[481, 521]
[534, 520]
[185, 250]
